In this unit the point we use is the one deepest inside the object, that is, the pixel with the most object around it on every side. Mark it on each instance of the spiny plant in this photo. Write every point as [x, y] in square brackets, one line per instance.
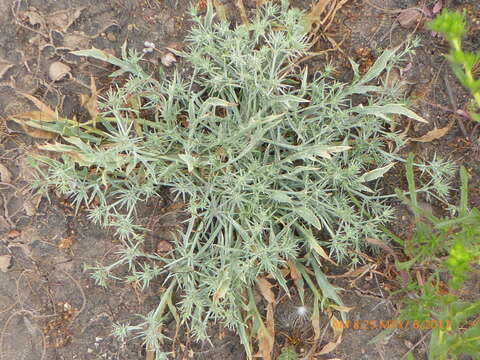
[273, 166]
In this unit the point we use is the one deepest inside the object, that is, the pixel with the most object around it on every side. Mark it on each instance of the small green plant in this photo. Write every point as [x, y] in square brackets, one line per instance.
[449, 248]
[452, 26]
[273, 165]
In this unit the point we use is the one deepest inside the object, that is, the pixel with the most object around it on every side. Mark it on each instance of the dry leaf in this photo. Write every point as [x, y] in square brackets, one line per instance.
[76, 41]
[294, 274]
[44, 108]
[35, 18]
[270, 322]
[63, 19]
[323, 254]
[35, 133]
[5, 262]
[337, 336]
[5, 174]
[409, 18]
[12, 234]
[437, 7]
[243, 12]
[381, 245]
[265, 342]
[337, 330]
[91, 102]
[164, 247]
[265, 288]
[221, 291]
[57, 71]
[31, 205]
[434, 134]
[353, 272]
[284, 271]
[315, 319]
[341, 308]
[45, 114]
[66, 243]
[222, 333]
[26, 172]
[313, 16]
[328, 348]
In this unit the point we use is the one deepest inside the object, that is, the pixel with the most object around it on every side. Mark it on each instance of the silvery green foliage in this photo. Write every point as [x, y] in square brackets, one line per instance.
[263, 155]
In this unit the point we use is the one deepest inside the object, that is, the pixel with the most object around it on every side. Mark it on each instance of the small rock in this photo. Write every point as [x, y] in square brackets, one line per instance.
[111, 37]
[164, 247]
[58, 71]
[5, 262]
[168, 59]
[12, 234]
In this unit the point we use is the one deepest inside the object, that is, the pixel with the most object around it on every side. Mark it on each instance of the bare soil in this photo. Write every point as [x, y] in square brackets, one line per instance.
[50, 308]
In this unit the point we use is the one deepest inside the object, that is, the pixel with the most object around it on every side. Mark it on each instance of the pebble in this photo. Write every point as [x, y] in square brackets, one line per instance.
[111, 37]
[58, 70]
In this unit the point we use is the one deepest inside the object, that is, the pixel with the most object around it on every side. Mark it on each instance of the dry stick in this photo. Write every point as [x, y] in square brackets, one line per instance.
[5, 210]
[243, 13]
[390, 11]
[4, 329]
[23, 310]
[19, 312]
[9, 307]
[414, 346]
[27, 27]
[84, 299]
[331, 14]
[454, 105]
[335, 45]
[314, 347]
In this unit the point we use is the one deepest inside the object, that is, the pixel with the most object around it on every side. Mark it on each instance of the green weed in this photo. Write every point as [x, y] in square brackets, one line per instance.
[448, 248]
[452, 26]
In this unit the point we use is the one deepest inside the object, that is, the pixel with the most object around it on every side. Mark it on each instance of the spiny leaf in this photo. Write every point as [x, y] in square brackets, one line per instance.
[313, 243]
[379, 65]
[383, 110]
[308, 215]
[222, 290]
[26, 118]
[377, 173]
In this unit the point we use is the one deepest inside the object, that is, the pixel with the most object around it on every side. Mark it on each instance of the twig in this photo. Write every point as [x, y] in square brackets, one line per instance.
[414, 346]
[84, 298]
[390, 11]
[19, 312]
[243, 13]
[454, 105]
[5, 210]
[18, 22]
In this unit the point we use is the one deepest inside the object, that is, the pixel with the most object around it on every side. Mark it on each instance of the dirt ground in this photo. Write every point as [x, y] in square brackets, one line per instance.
[50, 308]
